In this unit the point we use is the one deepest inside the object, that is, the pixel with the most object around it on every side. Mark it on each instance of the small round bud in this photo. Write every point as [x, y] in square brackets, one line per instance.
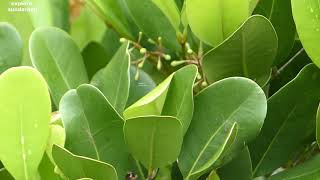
[167, 57]
[177, 63]
[123, 40]
[189, 51]
[199, 76]
[137, 76]
[140, 65]
[143, 50]
[204, 84]
[159, 64]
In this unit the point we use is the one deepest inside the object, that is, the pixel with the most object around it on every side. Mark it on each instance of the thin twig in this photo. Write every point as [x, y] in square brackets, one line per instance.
[290, 61]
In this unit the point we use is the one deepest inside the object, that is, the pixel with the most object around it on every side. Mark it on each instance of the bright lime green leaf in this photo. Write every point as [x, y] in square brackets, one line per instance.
[58, 59]
[76, 167]
[11, 47]
[289, 123]
[114, 80]
[95, 58]
[153, 21]
[154, 140]
[249, 52]
[50, 13]
[233, 100]
[239, 168]
[173, 97]
[140, 87]
[215, 20]
[57, 136]
[306, 14]
[112, 14]
[170, 9]
[280, 14]
[308, 170]
[25, 116]
[94, 129]
[86, 27]
[213, 176]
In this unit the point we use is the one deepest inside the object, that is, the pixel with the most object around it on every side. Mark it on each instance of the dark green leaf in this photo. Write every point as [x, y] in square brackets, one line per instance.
[249, 52]
[290, 121]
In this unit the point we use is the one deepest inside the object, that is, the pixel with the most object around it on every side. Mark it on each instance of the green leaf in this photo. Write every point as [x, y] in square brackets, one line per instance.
[76, 167]
[114, 80]
[318, 126]
[280, 14]
[57, 136]
[154, 140]
[25, 116]
[112, 14]
[213, 176]
[249, 52]
[170, 9]
[308, 170]
[58, 59]
[217, 109]
[50, 13]
[5, 175]
[86, 27]
[215, 20]
[47, 169]
[94, 129]
[153, 21]
[95, 58]
[140, 87]
[252, 5]
[306, 16]
[239, 168]
[11, 47]
[173, 97]
[21, 21]
[289, 123]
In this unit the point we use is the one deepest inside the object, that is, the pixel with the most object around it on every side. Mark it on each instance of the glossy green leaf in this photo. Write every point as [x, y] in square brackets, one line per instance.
[217, 109]
[25, 116]
[280, 14]
[11, 47]
[58, 59]
[50, 13]
[213, 176]
[76, 167]
[95, 58]
[308, 170]
[94, 129]
[153, 21]
[212, 21]
[114, 80]
[249, 52]
[154, 140]
[170, 9]
[306, 16]
[239, 168]
[140, 87]
[252, 5]
[112, 14]
[47, 169]
[173, 97]
[289, 123]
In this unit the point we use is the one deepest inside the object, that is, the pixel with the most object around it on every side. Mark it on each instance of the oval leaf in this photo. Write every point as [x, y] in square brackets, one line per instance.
[94, 129]
[289, 123]
[154, 140]
[306, 15]
[58, 58]
[76, 167]
[215, 20]
[10, 47]
[114, 80]
[249, 52]
[25, 116]
[217, 108]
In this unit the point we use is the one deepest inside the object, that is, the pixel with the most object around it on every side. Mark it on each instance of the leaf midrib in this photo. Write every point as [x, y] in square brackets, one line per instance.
[207, 144]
